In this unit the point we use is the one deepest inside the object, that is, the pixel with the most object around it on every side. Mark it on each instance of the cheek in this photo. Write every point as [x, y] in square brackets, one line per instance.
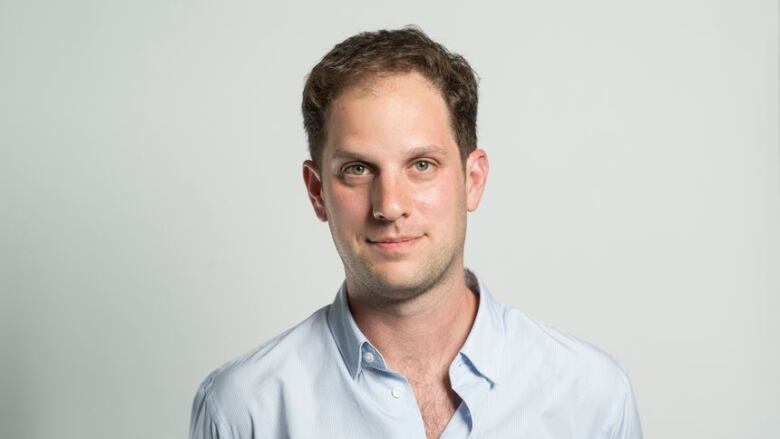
[444, 200]
[345, 205]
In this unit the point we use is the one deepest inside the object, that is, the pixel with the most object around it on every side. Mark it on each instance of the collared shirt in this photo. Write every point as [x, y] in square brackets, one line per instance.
[516, 376]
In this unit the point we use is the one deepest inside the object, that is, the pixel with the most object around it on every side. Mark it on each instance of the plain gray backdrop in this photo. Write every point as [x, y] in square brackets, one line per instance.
[154, 223]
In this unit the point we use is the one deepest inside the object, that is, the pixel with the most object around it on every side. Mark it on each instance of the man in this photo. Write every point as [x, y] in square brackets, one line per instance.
[414, 345]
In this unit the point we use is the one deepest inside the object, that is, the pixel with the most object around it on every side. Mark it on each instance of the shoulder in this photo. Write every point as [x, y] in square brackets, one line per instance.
[270, 362]
[557, 347]
[576, 387]
[234, 393]
[566, 364]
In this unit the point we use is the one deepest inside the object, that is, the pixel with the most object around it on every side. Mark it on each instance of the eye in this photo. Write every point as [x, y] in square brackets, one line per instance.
[422, 165]
[355, 169]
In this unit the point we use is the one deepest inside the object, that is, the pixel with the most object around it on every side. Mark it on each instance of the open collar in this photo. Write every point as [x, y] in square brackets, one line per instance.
[483, 349]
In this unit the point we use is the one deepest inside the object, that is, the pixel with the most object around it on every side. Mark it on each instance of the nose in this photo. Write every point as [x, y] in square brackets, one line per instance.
[389, 198]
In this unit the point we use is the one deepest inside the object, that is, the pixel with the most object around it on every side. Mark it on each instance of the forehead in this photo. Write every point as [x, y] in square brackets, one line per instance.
[389, 113]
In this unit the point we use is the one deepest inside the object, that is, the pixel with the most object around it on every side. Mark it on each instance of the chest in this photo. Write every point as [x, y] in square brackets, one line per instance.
[437, 403]
[338, 406]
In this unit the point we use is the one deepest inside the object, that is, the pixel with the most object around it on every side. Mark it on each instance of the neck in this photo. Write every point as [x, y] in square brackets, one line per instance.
[424, 333]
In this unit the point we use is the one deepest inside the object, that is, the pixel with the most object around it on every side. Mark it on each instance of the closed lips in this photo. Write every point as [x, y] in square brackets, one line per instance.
[395, 240]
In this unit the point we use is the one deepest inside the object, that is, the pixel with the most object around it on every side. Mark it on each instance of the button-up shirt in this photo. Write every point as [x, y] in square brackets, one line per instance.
[516, 377]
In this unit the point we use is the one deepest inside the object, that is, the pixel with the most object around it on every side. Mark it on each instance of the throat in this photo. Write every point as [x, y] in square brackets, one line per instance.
[429, 339]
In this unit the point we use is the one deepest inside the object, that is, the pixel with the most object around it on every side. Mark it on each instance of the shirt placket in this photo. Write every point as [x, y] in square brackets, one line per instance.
[392, 393]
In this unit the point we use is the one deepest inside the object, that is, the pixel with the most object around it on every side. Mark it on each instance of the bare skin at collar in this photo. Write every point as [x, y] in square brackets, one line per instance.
[424, 333]
[420, 340]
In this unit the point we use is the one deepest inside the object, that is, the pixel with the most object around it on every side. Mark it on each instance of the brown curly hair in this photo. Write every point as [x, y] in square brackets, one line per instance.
[369, 54]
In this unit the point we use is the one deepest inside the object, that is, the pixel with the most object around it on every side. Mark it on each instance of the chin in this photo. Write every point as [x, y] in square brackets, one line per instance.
[399, 280]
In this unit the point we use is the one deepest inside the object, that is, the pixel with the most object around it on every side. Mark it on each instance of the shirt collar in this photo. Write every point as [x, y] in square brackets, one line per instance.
[484, 346]
[483, 349]
[349, 338]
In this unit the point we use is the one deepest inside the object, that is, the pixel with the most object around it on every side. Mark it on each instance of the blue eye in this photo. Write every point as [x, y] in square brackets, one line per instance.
[422, 165]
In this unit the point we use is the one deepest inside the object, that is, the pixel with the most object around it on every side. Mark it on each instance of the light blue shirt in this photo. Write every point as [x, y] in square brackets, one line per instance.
[516, 376]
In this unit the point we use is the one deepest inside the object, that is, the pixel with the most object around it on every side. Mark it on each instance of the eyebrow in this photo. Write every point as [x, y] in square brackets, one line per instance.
[414, 152]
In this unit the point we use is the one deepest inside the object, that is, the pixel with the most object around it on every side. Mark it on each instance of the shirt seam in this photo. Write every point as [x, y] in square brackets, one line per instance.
[211, 406]
[618, 412]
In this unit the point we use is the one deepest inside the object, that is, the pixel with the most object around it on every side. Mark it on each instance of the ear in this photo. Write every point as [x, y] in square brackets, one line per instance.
[477, 168]
[313, 182]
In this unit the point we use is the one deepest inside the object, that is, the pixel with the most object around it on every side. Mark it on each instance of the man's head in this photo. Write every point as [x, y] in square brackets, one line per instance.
[392, 178]
[368, 55]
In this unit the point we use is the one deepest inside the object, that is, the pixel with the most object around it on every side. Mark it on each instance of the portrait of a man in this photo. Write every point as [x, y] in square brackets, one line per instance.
[413, 345]
[391, 220]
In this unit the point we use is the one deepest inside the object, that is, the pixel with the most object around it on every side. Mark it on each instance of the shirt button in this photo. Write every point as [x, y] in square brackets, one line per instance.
[396, 392]
[369, 357]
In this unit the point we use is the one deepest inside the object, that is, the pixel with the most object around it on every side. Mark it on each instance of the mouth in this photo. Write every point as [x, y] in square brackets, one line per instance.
[394, 243]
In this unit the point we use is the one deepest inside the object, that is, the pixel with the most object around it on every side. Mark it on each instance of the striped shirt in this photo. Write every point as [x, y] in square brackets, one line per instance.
[516, 376]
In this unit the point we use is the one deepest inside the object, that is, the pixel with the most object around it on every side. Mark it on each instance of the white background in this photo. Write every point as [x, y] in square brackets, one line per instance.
[153, 221]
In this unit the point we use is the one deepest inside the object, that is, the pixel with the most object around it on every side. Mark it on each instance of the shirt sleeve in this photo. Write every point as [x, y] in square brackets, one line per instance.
[203, 422]
[627, 425]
